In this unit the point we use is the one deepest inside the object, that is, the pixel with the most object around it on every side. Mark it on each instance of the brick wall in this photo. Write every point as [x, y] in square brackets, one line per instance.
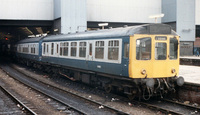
[197, 42]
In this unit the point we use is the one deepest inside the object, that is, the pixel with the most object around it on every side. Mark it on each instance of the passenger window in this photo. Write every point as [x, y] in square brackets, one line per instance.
[33, 49]
[44, 48]
[173, 48]
[73, 48]
[82, 49]
[90, 52]
[126, 50]
[64, 49]
[160, 51]
[99, 49]
[52, 47]
[57, 48]
[143, 49]
[47, 48]
[61, 48]
[113, 50]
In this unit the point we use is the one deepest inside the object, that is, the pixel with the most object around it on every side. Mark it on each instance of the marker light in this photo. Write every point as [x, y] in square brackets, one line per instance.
[173, 70]
[143, 72]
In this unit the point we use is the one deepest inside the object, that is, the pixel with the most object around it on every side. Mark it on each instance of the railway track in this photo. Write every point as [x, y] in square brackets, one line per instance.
[171, 107]
[164, 105]
[15, 106]
[74, 101]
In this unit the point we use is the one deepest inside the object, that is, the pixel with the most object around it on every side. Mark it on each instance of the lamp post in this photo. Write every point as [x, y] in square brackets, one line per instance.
[103, 24]
[156, 16]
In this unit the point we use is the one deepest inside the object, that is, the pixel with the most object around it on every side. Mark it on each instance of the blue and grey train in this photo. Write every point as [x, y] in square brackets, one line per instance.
[139, 60]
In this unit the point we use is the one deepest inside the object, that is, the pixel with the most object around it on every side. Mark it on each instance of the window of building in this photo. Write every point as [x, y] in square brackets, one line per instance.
[73, 48]
[160, 51]
[126, 50]
[52, 48]
[143, 49]
[82, 49]
[173, 48]
[113, 50]
[99, 49]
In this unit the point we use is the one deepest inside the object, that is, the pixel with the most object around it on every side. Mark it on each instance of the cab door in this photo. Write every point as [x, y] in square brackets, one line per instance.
[140, 56]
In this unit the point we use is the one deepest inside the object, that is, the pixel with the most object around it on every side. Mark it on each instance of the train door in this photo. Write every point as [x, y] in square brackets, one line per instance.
[125, 57]
[56, 49]
[90, 50]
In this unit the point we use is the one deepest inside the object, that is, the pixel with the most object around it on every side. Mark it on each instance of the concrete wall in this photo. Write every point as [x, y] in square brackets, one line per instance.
[57, 9]
[186, 19]
[134, 11]
[169, 9]
[186, 25]
[26, 9]
[197, 21]
[73, 16]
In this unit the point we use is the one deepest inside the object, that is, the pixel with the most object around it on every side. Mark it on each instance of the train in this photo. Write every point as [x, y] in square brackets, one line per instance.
[140, 61]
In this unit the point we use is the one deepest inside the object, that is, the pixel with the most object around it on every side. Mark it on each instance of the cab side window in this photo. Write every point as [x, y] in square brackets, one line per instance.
[173, 48]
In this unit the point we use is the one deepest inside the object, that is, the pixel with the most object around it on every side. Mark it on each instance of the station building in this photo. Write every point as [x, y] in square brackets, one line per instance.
[22, 18]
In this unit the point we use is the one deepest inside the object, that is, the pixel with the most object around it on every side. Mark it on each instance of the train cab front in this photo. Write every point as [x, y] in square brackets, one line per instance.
[154, 63]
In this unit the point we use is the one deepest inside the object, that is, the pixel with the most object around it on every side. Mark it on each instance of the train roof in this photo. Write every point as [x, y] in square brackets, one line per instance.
[115, 32]
[107, 33]
[30, 40]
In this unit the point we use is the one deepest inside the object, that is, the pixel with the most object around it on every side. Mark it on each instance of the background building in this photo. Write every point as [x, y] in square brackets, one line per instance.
[22, 18]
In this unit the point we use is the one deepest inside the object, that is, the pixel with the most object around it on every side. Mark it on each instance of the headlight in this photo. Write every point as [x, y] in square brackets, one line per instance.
[143, 72]
[173, 70]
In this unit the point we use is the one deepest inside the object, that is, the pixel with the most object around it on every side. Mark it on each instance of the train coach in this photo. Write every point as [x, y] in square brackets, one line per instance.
[140, 61]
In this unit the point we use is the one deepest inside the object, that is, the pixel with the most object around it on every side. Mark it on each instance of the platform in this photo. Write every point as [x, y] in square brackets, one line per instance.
[190, 60]
[190, 73]
[190, 57]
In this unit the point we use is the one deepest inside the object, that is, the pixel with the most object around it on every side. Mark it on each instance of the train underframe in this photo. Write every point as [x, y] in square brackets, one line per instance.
[141, 88]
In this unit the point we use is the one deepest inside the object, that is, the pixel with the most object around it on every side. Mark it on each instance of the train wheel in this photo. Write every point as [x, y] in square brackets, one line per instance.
[108, 88]
[131, 97]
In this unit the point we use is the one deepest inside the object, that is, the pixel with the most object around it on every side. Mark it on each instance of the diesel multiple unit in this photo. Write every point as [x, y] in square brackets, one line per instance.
[140, 60]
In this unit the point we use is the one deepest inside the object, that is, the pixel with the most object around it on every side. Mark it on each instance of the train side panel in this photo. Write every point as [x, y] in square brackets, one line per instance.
[89, 63]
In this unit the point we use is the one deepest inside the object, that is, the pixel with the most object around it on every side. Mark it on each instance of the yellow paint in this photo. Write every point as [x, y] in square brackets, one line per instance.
[154, 68]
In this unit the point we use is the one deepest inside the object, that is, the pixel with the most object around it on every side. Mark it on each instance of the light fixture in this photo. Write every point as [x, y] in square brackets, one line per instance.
[103, 24]
[157, 16]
